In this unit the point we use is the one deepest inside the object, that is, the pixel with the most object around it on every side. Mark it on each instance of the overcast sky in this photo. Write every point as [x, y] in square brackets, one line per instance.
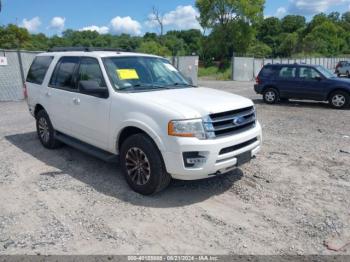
[132, 16]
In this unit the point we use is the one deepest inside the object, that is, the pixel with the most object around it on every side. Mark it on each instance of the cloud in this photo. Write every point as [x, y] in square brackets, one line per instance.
[310, 7]
[99, 29]
[57, 23]
[32, 25]
[125, 25]
[281, 12]
[182, 18]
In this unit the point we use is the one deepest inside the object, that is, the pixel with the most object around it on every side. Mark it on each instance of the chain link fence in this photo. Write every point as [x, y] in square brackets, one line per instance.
[12, 75]
[248, 68]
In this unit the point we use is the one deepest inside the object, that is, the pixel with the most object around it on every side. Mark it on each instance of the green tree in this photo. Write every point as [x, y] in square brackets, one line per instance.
[12, 37]
[152, 47]
[269, 31]
[259, 50]
[289, 44]
[316, 21]
[38, 42]
[191, 38]
[292, 23]
[174, 44]
[327, 39]
[230, 22]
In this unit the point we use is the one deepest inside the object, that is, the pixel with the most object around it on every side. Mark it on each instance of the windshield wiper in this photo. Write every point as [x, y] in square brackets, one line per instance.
[144, 87]
[181, 84]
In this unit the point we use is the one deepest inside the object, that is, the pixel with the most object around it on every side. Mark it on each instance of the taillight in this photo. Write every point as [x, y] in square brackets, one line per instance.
[258, 82]
[25, 92]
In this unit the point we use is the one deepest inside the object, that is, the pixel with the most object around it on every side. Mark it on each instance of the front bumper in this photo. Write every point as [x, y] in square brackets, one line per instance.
[216, 162]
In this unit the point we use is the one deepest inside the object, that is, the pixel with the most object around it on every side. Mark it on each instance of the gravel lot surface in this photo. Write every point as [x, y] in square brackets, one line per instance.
[293, 199]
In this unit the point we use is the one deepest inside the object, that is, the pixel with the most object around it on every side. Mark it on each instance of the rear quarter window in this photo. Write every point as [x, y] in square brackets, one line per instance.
[38, 69]
[268, 71]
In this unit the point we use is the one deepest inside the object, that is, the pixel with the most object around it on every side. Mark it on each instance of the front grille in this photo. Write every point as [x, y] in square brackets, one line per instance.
[232, 122]
[237, 147]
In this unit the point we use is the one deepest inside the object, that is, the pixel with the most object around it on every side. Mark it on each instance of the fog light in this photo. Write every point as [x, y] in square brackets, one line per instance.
[193, 159]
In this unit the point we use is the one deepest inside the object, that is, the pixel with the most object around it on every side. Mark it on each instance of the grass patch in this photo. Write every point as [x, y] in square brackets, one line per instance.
[214, 73]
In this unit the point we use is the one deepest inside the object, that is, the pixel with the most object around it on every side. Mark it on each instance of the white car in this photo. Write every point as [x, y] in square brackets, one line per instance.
[343, 69]
[140, 109]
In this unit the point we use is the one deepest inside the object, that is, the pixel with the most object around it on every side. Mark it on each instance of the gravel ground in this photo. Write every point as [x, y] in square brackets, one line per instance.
[293, 199]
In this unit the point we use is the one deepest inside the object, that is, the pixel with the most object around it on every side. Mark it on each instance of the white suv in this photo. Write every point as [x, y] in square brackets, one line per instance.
[140, 109]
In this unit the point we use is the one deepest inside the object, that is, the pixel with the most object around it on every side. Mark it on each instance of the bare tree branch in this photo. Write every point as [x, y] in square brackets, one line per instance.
[158, 18]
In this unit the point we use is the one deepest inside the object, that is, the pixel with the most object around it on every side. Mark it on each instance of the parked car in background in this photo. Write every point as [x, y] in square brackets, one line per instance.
[304, 82]
[343, 69]
[140, 109]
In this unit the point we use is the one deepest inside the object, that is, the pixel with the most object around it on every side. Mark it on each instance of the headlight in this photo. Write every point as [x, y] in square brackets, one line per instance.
[187, 128]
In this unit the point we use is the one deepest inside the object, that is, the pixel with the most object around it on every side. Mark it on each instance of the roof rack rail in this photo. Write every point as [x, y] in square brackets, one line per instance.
[84, 49]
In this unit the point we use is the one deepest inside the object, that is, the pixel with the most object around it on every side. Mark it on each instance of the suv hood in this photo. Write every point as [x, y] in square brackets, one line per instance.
[341, 80]
[194, 102]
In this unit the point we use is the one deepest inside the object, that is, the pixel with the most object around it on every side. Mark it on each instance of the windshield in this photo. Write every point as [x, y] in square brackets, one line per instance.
[143, 73]
[325, 72]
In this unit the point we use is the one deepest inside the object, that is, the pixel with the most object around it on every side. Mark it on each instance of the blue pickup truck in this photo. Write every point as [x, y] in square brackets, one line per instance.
[302, 82]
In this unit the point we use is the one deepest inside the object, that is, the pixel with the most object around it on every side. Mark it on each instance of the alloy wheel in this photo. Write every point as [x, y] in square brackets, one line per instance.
[338, 100]
[44, 130]
[270, 96]
[138, 166]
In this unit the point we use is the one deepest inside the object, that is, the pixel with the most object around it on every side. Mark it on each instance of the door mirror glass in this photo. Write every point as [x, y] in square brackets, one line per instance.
[91, 87]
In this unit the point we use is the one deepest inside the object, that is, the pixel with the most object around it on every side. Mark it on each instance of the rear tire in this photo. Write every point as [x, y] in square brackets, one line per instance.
[339, 99]
[45, 131]
[271, 96]
[143, 165]
[347, 74]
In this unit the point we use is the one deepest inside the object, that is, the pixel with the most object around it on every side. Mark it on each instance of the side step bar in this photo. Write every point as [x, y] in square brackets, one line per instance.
[86, 148]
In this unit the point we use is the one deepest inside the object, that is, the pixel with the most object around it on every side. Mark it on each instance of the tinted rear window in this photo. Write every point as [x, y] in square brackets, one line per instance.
[268, 71]
[38, 69]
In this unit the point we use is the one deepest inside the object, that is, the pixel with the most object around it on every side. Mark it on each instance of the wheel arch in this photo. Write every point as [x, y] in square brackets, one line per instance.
[37, 109]
[337, 89]
[133, 129]
[270, 86]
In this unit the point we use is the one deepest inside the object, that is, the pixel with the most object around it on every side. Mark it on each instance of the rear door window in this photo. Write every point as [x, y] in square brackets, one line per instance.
[287, 72]
[63, 76]
[38, 69]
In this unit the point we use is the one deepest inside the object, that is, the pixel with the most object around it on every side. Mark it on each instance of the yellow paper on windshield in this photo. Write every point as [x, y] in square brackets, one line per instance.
[127, 74]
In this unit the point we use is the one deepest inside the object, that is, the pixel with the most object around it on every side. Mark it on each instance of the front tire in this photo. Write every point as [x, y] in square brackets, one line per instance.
[143, 165]
[339, 99]
[271, 96]
[45, 131]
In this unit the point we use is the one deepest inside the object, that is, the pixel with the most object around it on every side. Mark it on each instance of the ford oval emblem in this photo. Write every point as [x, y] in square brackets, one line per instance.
[238, 121]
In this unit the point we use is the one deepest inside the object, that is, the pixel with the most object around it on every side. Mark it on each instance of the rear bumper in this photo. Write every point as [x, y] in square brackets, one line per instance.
[258, 89]
[216, 162]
